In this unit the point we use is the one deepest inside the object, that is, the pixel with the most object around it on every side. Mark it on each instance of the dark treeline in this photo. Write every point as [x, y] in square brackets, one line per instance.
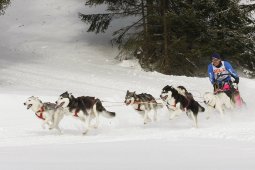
[177, 36]
[3, 5]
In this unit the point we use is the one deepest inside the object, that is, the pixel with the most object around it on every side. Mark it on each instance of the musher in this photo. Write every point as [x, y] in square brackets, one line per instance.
[220, 73]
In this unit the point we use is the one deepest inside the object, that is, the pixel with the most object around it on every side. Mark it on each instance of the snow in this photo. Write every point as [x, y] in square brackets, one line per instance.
[46, 51]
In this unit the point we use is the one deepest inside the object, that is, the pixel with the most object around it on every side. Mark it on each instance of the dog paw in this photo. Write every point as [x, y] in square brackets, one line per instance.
[85, 132]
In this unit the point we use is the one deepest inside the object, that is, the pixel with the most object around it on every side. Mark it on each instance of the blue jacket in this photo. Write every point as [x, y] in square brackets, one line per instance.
[215, 73]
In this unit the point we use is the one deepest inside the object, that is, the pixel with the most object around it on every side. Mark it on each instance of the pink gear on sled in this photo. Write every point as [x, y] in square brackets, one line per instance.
[226, 87]
[236, 98]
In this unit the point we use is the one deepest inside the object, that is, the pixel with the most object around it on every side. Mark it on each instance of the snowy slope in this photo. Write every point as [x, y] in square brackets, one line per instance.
[46, 51]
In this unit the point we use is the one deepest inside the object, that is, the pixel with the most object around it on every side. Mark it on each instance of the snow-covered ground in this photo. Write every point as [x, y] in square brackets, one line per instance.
[45, 51]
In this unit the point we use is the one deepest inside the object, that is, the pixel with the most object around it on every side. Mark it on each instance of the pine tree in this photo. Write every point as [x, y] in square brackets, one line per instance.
[177, 36]
[3, 5]
[117, 9]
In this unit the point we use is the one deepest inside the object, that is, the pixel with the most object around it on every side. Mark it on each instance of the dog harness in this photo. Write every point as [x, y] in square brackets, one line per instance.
[40, 116]
[76, 113]
[174, 105]
[139, 103]
[167, 105]
[139, 107]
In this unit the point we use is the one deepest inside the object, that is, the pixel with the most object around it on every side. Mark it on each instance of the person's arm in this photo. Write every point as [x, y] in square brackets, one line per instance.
[211, 74]
[233, 73]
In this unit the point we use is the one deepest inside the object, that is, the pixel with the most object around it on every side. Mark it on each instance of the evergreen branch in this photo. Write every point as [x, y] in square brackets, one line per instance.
[121, 33]
[3, 5]
[98, 22]
[248, 7]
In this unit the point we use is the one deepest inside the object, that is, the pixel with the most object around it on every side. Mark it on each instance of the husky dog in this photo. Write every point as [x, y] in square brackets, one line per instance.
[218, 101]
[85, 108]
[143, 103]
[179, 102]
[45, 111]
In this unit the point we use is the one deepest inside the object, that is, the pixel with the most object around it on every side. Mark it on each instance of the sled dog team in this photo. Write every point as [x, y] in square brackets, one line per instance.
[177, 99]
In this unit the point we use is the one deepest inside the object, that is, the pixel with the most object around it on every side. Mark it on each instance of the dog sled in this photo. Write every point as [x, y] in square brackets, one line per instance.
[231, 89]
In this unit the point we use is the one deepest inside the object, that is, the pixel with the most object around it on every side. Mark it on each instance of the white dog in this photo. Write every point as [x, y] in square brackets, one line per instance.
[218, 101]
[46, 112]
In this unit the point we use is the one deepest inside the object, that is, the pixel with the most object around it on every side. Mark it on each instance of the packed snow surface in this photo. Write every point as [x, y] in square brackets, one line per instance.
[45, 51]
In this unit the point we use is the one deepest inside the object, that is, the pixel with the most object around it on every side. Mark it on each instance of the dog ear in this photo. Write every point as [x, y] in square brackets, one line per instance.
[70, 95]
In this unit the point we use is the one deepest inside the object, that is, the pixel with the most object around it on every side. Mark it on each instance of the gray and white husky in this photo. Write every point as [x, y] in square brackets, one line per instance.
[143, 103]
[84, 108]
[45, 111]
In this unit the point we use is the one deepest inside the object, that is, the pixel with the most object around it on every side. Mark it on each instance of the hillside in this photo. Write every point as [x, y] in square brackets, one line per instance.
[46, 51]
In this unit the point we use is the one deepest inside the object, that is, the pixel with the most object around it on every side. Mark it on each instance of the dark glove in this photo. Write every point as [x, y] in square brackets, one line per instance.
[215, 86]
[236, 80]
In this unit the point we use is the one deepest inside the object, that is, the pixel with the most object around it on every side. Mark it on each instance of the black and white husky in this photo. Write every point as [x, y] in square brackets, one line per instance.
[179, 100]
[45, 111]
[143, 103]
[84, 107]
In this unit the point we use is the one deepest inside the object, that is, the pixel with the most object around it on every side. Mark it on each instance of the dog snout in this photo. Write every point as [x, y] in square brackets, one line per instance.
[24, 104]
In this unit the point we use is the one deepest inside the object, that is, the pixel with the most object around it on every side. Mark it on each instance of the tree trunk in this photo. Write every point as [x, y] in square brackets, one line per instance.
[145, 29]
[165, 61]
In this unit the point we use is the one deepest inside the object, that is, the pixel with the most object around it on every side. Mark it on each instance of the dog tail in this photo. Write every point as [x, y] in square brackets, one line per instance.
[100, 108]
[108, 114]
[200, 108]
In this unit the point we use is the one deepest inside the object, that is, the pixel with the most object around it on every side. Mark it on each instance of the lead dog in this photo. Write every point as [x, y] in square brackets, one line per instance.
[218, 101]
[84, 108]
[45, 111]
[180, 101]
[143, 103]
